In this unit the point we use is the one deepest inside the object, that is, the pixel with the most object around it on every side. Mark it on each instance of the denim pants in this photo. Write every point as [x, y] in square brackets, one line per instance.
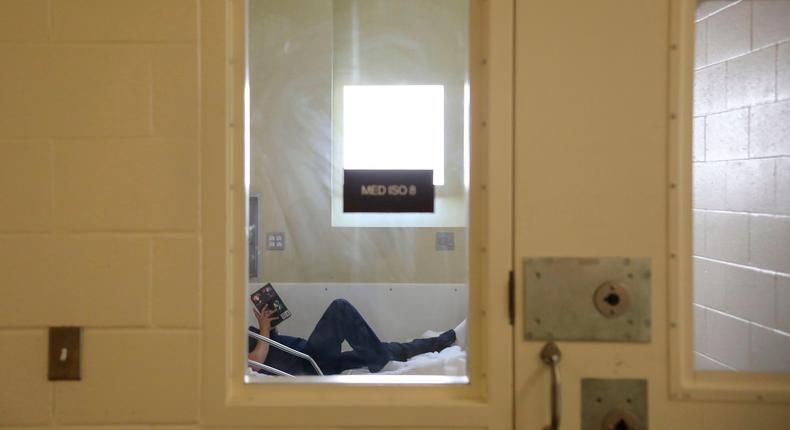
[342, 322]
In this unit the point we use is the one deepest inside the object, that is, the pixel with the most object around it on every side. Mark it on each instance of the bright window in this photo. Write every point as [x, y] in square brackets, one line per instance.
[394, 127]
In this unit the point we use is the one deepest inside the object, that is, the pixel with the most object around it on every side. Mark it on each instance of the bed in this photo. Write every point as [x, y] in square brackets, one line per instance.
[450, 361]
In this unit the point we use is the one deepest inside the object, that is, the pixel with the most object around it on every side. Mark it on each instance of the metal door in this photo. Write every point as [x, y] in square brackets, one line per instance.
[602, 100]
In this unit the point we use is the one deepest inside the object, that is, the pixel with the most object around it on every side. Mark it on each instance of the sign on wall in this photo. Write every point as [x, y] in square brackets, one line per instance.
[388, 191]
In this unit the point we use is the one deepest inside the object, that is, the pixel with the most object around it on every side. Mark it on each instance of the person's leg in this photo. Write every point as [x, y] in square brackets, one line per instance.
[402, 351]
[342, 322]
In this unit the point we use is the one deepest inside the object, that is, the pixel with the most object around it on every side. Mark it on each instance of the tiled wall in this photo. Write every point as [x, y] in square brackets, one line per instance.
[99, 210]
[742, 185]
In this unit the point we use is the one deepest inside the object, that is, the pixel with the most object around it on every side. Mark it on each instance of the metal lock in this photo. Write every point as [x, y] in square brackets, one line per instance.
[612, 299]
[619, 419]
[614, 404]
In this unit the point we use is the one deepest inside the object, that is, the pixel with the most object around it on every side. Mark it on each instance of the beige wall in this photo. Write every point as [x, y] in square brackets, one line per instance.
[101, 185]
[299, 52]
[99, 217]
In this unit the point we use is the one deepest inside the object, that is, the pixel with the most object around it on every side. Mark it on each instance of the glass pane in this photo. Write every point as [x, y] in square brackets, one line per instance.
[371, 89]
[741, 172]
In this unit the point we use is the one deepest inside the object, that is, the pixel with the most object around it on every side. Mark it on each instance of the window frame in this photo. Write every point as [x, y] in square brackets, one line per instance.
[685, 381]
[225, 398]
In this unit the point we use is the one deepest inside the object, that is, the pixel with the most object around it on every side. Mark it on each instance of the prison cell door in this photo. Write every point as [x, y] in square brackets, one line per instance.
[594, 94]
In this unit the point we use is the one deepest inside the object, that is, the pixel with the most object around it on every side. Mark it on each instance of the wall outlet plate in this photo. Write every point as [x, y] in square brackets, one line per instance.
[614, 404]
[560, 299]
[275, 241]
[445, 241]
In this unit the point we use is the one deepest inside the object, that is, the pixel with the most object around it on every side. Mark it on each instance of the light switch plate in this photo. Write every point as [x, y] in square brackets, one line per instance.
[65, 353]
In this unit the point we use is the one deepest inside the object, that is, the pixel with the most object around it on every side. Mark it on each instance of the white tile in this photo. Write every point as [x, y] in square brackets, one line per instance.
[770, 350]
[729, 32]
[769, 242]
[704, 363]
[770, 22]
[751, 79]
[698, 141]
[699, 232]
[769, 130]
[783, 186]
[709, 284]
[727, 236]
[710, 185]
[728, 340]
[751, 186]
[700, 45]
[709, 89]
[749, 294]
[699, 329]
[783, 303]
[727, 135]
[705, 8]
[783, 72]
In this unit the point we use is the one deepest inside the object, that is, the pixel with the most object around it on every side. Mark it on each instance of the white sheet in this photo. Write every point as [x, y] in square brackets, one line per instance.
[449, 362]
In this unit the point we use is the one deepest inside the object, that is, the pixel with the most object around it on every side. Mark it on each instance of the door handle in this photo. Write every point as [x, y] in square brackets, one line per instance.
[551, 355]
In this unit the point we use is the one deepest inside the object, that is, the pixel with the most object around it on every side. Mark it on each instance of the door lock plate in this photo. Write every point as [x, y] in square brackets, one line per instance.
[614, 404]
[587, 299]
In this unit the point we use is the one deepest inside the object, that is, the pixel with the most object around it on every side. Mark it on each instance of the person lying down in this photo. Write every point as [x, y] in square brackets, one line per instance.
[340, 322]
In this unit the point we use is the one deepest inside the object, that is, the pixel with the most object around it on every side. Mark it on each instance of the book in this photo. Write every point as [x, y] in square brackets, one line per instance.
[267, 296]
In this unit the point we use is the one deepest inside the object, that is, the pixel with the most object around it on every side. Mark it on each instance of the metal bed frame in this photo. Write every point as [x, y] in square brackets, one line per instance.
[283, 348]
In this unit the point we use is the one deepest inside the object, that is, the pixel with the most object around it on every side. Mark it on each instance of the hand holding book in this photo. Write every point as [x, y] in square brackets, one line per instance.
[265, 318]
[269, 306]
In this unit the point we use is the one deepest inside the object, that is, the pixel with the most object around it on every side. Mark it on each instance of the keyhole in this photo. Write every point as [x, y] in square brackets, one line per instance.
[612, 298]
[621, 425]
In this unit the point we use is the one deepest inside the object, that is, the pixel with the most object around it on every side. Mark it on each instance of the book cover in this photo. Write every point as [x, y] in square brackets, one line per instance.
[267, 296]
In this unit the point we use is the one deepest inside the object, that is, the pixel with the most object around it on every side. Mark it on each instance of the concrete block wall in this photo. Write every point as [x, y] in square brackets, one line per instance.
[99, 218]
[742, 185]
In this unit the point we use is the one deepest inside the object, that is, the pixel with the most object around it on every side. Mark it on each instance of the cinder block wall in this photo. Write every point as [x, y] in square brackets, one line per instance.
[742, 185]
[99, 213]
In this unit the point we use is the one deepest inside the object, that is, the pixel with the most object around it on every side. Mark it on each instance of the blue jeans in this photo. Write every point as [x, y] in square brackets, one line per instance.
[342, 322]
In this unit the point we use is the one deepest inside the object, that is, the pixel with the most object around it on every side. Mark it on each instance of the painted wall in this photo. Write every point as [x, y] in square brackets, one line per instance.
[301, 55]
[100, 187]
[99, 209]
[742, 185]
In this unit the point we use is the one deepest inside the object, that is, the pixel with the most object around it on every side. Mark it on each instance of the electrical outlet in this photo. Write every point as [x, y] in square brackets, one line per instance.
[275, 241]
[445, 241]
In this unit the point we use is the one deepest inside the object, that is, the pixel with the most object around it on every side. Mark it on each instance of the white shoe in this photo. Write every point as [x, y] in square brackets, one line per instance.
[461, 335]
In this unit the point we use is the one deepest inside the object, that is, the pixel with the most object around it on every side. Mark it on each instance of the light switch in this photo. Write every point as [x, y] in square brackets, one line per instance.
[65, 353]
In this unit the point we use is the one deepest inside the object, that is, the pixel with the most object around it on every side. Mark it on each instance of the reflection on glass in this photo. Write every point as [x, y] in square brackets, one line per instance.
[357, 84]
[741, 193]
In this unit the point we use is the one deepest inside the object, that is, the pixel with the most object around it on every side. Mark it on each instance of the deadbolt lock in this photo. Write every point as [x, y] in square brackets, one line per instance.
[612, 299]
[619, 419]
